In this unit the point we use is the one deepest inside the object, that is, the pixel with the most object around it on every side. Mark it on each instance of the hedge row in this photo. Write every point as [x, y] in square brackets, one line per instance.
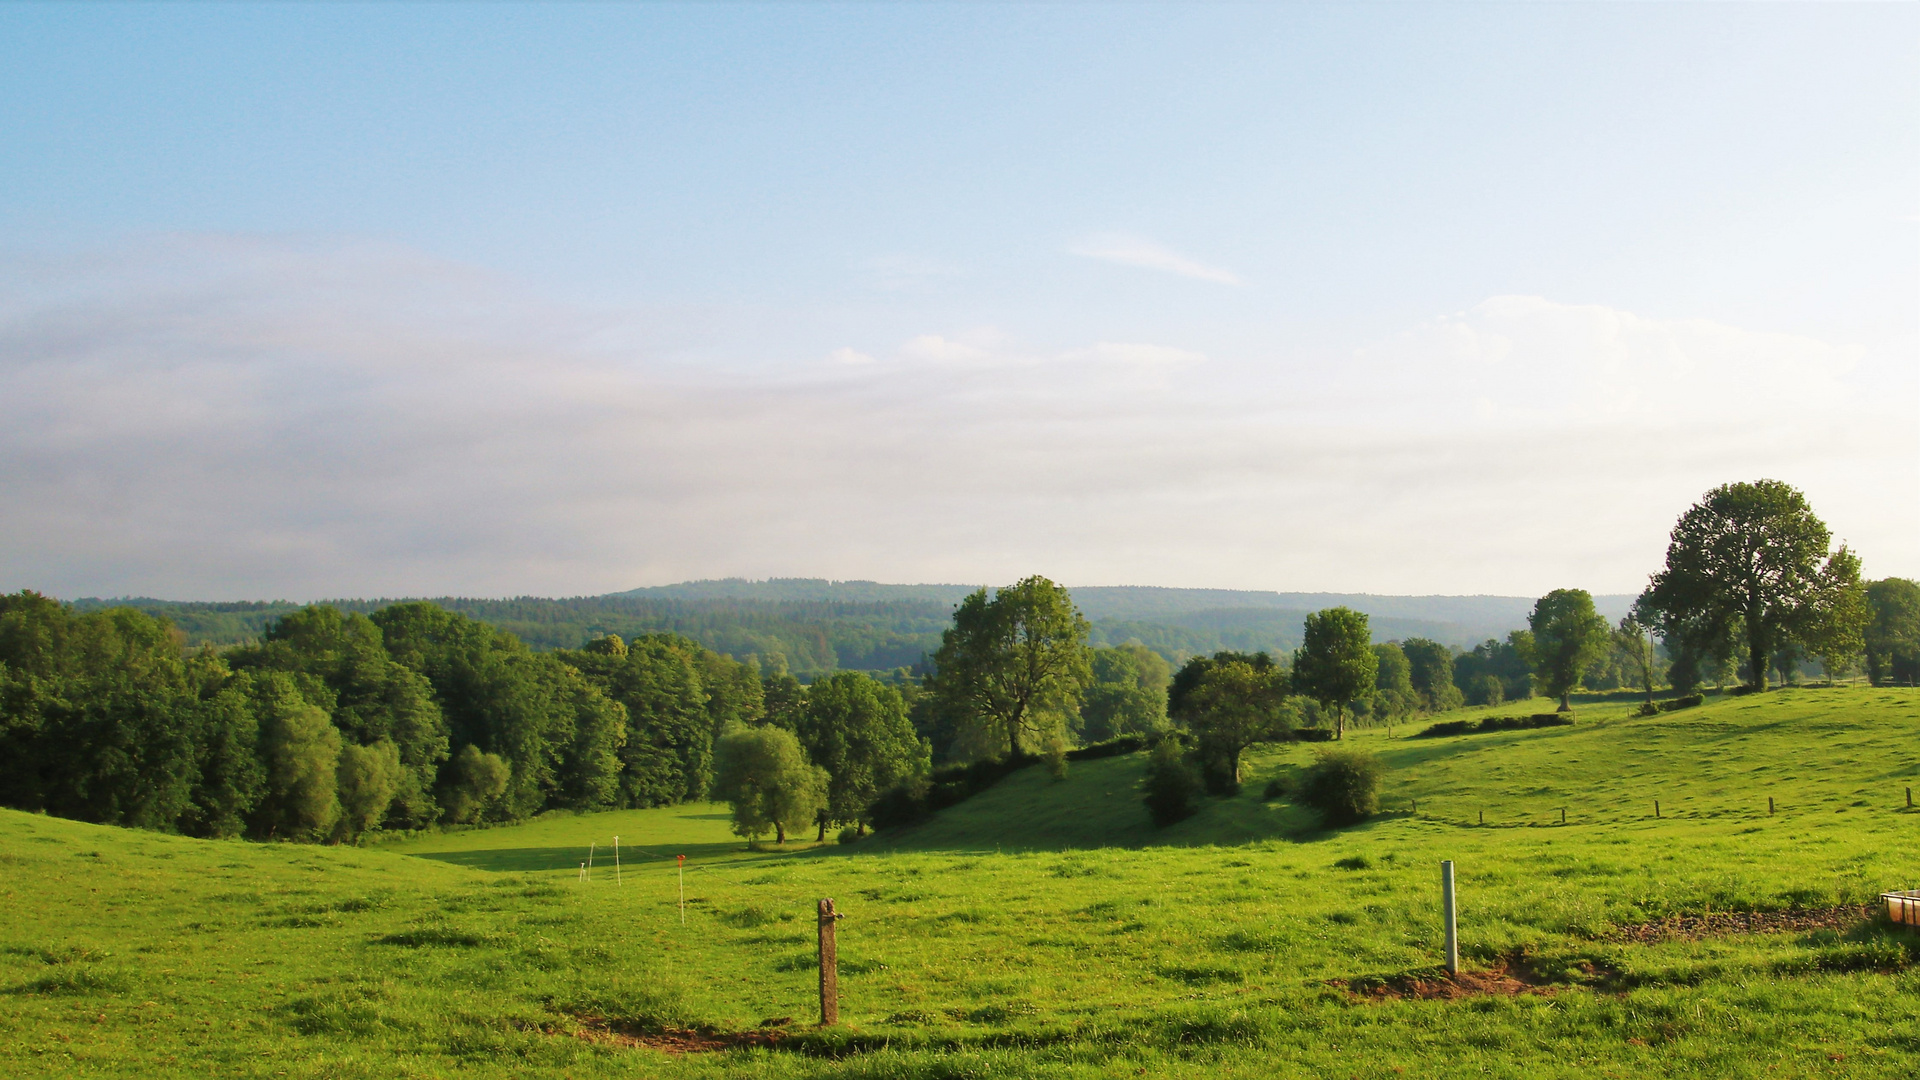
[1492, 724]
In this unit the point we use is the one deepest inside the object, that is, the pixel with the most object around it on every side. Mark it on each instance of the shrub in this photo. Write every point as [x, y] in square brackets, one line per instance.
[1172, 785]
[1343, 785]
[1276, 789]
[1687, 702]
[850, 834]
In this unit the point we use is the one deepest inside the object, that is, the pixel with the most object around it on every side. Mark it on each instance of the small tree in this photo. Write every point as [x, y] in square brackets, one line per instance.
[1632, 640]
[1568, 636]
[1171, 784]
[366, 778]
[1892, 637]
[1336, 662]
[1234, 706]
[473, 782]
[1343, 785]
[766, 777]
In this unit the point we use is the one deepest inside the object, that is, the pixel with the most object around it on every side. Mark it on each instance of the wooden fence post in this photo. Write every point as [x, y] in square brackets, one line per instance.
[829, 966]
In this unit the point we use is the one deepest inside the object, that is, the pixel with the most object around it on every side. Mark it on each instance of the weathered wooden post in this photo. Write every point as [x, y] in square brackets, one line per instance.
[1563, 815]
[1453, 927]
[1656, 808]
[829, 966]
[1769, 806]
[1909, 798]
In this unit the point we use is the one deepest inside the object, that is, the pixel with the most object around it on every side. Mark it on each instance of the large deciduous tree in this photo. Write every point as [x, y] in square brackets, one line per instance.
[1011, 668]
[1336, 663]
[1568, 636]
[1753, 558]
[856, 728]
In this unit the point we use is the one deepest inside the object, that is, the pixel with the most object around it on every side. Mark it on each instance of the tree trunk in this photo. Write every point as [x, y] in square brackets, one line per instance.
[822, 838]
[1566, 701]
[1757, 657]
[1339, 721]
[779, 833]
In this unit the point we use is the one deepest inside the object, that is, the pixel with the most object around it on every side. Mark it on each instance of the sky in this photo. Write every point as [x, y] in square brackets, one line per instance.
[300, 301]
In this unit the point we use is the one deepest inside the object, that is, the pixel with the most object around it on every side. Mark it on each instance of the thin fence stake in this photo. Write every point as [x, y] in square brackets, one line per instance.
[1447, 909]
[1656, 808]
[829, 965]
[1483, 817]
[616, 860]
[1563, 815]
[1909, 798]
[683, 889]
[1769, 806]
[590, 860]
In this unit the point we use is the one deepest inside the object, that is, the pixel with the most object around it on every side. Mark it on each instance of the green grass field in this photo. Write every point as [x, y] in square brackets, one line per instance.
[1040, 929]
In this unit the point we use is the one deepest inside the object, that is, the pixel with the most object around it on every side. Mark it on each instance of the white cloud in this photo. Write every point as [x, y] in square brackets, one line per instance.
[232, 420]
[850, 357]
[1136, 251]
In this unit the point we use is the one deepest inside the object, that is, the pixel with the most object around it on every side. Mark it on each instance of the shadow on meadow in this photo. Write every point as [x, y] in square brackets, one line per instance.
[537, 859]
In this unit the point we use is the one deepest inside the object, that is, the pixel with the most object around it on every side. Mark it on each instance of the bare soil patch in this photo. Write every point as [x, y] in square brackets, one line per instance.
[1711, 924]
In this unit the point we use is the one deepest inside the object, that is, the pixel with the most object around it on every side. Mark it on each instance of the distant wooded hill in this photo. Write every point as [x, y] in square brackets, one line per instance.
[819, 626]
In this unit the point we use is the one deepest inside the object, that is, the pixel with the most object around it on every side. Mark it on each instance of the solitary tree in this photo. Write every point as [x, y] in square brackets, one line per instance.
[1010, 668]
[1568, 636]
[765, 775]
[1235, 705]
[1393, 695]
[1893, 635]
[1751, 557]
[1336, 662]
[856, 728]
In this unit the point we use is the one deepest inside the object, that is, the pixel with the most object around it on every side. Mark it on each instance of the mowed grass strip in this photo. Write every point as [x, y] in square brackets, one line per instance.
[1041, 928]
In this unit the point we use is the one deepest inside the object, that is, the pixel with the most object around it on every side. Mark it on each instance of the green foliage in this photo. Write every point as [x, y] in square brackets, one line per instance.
[764, 774]
[1172, 785]
[1568, 636]
[1892, 639]
[343, 666]
[1336, 663]
[1010, 669]
[1235, 705]
[1128, 695]
[1753, 560]
[366, 777]
[1342, 784]
[1431, 672]
[473, 781]
[301, 750]
[857, 730]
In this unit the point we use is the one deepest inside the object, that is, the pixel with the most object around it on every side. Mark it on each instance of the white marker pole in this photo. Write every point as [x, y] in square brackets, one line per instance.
[616, 860]
[1453, 926]
[589, 860]
[583, 873]
[683, 889]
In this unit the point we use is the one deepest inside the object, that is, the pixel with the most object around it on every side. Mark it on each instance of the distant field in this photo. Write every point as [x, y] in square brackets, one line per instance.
[1041, 928]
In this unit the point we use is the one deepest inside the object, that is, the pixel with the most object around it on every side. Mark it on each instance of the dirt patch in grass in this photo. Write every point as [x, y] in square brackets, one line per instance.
[1711, 924]
[600, 1029]
[1501, 980]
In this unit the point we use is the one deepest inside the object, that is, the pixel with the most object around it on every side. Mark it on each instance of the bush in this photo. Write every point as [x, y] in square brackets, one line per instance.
[1343, 785]
[850, 834]
[1276, 789]
[1172, 785]
[1496, 723]
[1687, 702]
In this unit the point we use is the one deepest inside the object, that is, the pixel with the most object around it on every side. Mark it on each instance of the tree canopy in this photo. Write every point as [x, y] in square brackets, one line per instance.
[1753, 560]
[856, 728]
[1892, 638]
[764, 774]
[1336, 663]
[1568, 636]
[1011, 668]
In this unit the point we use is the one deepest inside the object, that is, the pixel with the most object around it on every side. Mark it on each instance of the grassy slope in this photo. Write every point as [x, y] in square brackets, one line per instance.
[1040, 928]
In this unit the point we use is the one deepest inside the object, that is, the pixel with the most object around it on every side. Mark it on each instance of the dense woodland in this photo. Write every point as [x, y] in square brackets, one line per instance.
[328, 724]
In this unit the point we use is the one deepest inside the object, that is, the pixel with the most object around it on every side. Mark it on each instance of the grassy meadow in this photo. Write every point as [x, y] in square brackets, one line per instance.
[1041, 929]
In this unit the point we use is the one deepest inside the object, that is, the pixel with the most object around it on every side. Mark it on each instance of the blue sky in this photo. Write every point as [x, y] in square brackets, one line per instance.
[338, 299]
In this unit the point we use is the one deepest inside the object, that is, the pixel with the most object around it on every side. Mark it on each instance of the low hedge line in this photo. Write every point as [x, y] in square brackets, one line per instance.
[1490, 724]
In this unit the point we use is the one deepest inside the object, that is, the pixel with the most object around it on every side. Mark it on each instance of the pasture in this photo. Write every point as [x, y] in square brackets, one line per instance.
[1042, 928]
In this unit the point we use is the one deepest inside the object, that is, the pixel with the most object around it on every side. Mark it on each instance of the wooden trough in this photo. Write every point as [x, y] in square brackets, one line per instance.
[1903, 907]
